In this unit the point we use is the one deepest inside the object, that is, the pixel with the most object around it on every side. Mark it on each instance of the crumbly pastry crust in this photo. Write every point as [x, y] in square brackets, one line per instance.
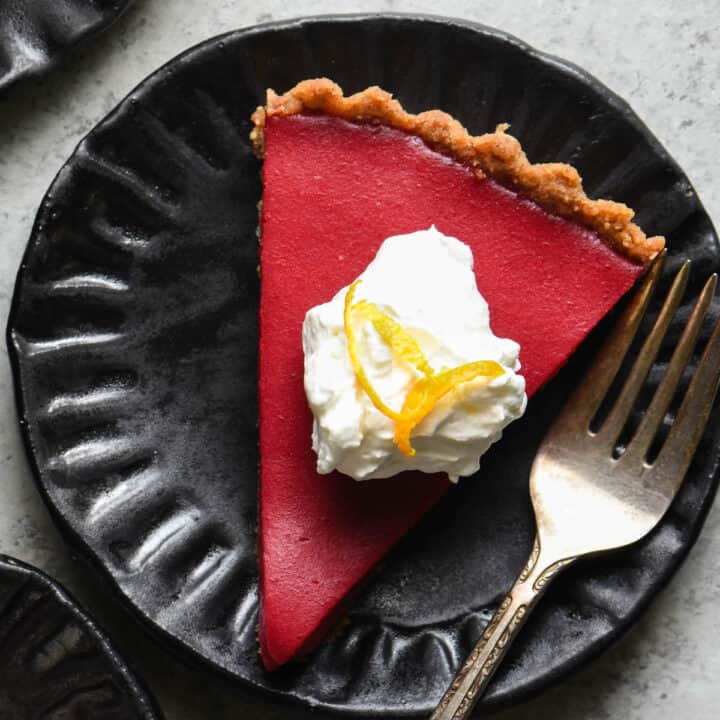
[556, 187]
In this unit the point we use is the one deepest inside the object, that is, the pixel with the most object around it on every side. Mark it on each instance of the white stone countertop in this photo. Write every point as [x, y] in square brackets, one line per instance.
[663, 56]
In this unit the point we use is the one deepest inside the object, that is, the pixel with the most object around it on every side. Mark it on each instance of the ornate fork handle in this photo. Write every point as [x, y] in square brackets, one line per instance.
[472, 680]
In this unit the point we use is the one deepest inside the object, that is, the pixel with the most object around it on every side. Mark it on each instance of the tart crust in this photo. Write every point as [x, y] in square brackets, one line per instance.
[556, 187]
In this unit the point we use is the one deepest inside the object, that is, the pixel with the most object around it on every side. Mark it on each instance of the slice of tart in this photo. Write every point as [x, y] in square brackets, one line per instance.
[340, 175]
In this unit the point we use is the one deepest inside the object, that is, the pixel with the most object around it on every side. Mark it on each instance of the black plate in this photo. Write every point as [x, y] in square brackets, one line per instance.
[54, 661]
[35, 33]
[133, 336]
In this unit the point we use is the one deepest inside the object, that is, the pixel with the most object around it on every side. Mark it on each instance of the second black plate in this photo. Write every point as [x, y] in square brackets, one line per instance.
[134, 336]
[34, 34]
[54, 661]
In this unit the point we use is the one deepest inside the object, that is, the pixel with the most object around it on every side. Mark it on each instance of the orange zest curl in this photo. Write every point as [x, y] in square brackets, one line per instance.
[395, 336]
[354, 351]
[427, 390]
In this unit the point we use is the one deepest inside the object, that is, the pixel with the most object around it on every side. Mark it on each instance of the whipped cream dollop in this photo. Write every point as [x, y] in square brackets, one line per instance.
[425, 282]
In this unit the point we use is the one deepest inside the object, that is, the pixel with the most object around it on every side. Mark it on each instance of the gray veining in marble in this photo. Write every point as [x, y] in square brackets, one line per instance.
[662, 55]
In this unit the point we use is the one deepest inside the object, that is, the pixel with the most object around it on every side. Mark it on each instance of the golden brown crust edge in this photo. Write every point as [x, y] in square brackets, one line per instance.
[556, 187]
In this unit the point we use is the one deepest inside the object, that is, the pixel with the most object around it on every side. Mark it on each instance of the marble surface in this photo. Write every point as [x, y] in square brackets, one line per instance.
[662, 55]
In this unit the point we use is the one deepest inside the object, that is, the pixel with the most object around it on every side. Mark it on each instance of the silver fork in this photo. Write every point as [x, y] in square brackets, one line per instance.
[586, 499]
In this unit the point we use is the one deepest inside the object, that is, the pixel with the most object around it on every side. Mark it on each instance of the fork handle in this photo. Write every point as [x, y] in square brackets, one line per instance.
[471, 682]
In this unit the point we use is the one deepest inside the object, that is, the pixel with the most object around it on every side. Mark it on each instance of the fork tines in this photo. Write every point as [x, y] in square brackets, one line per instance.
[692, 416]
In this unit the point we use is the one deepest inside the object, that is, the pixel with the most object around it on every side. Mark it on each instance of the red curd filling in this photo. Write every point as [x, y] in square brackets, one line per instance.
[333, 191]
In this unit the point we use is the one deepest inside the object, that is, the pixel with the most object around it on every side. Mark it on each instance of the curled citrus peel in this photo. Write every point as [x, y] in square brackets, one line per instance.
[354, 351]
[395, 336]
[427, 390]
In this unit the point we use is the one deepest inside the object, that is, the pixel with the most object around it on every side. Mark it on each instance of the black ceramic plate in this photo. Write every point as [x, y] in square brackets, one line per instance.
[133, 336]
[55, 664]
[35, 33]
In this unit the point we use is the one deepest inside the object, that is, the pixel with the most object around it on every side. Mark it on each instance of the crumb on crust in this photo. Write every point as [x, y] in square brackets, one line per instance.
[556, 187]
